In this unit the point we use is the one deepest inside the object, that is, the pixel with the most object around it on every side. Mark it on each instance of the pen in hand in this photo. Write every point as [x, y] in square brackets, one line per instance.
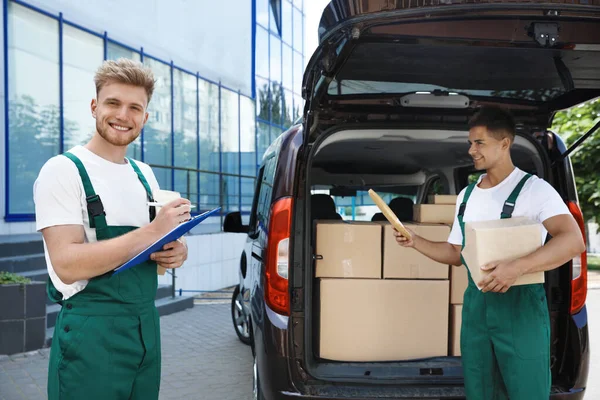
[156, 204]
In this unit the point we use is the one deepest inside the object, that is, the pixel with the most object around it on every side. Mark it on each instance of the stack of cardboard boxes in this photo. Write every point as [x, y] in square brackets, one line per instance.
[379, 301]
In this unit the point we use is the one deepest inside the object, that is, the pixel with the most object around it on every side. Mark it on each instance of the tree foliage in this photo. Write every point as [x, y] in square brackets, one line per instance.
[571, 124]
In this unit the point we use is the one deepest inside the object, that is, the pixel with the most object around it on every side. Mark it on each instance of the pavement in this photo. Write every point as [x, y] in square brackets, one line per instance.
[202, 358]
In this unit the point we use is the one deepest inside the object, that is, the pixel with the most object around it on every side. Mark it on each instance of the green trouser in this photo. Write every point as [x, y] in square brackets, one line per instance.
[106, 342]
[505, 337]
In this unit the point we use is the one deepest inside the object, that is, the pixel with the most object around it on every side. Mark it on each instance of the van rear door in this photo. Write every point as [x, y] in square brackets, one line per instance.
[393, 58]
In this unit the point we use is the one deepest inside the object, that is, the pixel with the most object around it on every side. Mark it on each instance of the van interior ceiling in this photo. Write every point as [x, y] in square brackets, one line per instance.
[401, 164]
[404, 157]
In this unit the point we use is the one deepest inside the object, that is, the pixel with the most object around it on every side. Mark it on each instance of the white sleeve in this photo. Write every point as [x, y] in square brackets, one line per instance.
[456, 236]
[546, 201]
[57, 194]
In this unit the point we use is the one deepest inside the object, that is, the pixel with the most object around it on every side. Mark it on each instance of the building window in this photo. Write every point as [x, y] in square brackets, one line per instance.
[247, 151]
[275, 23]
[157, 131]
[34, 101]
[230, 149]
[209, 146]
[83, 53]
[185, 134]
[279, 64]
[51, 68]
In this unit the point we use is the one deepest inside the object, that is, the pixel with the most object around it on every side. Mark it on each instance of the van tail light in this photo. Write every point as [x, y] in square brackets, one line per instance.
[579, 265]
[277, 263]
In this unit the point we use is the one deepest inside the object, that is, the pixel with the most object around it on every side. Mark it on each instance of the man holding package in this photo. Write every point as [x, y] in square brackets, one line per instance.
[92, 209]
[505, 333]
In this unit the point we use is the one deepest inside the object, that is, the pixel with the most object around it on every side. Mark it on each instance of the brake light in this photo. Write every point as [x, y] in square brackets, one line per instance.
[579, 268]
[277, 263]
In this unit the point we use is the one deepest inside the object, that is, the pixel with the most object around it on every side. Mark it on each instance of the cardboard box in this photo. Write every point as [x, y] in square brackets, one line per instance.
[434, 213]
[455, 323]
[442, 199]
[383, 320]
[348, 249]
[501, 240]
[408, 263]
[459, 280]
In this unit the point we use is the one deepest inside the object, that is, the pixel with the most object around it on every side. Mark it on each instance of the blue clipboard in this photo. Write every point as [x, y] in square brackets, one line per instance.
[173, 235]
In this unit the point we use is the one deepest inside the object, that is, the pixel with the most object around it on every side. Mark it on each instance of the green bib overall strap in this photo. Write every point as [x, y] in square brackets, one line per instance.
[146, 186]
[509, 204]
[95, 208]
[461, 212]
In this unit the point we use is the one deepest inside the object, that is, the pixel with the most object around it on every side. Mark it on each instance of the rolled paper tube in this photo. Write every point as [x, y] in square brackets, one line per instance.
[389, 214]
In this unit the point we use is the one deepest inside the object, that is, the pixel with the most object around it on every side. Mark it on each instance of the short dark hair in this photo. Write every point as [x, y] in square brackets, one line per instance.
[497, 120]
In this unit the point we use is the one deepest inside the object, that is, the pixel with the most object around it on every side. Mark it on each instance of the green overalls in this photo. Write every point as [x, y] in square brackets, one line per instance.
[106, 342]
[505, 337]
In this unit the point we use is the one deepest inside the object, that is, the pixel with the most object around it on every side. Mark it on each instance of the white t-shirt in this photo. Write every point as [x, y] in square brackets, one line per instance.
[537, 201]
[60, 199]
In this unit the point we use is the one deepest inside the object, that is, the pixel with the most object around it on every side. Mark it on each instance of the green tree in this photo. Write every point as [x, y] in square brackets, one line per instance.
[571, 124]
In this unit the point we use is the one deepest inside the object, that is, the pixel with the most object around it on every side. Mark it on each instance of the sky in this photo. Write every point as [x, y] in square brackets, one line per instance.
[312, 12]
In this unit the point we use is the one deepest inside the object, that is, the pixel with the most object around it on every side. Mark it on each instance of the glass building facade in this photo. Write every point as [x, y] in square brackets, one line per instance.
[202, 138]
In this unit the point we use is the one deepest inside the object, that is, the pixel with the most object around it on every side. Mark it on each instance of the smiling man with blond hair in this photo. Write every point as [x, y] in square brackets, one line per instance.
[91, 207]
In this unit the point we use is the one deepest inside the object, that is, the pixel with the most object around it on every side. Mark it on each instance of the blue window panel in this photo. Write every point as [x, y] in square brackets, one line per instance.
[83, 53]
[231, 191]
[263, 96]
[209, 128]
[230, 134]
[275, 16]
[298, 72]
[157, 131]
[298, 30]
[262, 52]
[288, 108]
[209, 191]
[33, 102]
[115, 51]
[185, 117]
[298, 3]
[287, 65]
[276, 103]
[286, 22]
[275, 59]
[247, 194]
[247, 137]
[263, 139]
[262, 12]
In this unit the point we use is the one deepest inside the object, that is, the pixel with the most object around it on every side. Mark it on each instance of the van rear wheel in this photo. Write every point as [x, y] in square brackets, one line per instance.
[241, 322]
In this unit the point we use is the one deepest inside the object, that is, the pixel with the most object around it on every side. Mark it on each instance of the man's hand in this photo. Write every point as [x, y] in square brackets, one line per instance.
[404, 242]
[173, 255]
[171, 215]
[504, 274]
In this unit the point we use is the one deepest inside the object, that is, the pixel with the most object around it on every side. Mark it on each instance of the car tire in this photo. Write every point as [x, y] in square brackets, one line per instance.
[241, 323]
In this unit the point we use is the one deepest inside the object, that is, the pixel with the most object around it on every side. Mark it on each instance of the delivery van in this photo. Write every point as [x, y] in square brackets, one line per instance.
[330, 306]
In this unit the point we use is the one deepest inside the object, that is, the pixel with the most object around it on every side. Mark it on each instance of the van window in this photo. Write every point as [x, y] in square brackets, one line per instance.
[260, 220]
[362, 208]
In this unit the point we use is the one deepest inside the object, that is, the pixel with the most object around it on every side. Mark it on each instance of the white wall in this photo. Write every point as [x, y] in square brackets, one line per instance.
[211, 37]
[213, 262]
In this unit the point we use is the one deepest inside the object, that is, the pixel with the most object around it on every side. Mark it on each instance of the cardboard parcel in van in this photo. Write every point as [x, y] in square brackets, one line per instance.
[348, 249]
[501, 240]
